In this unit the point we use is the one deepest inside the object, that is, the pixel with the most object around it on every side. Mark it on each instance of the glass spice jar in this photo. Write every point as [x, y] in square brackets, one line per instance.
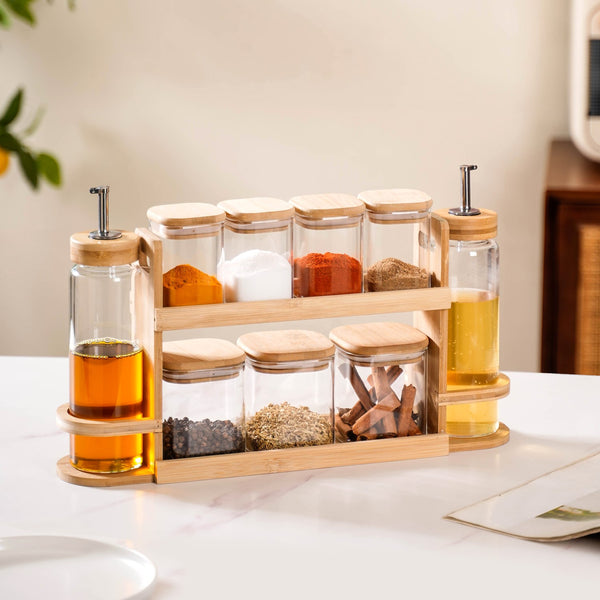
[105, 355]
[288, 385]
[380, 381]
[327, 244]
[192, 240]
[473, 323]
[397, 232]
[203, 401]
[257, 250]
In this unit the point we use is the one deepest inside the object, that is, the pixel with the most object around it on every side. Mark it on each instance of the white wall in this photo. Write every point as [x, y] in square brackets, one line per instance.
[203, 101]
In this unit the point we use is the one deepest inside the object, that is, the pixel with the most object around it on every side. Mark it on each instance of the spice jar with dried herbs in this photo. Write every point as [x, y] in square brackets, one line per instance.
[327, 244]
[380, 381]
[203, 402]
[397, 233]
[288, 385]
[257, 249]
[192, 239]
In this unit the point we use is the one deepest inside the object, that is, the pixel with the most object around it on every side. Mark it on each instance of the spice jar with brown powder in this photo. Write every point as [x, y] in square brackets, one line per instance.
[380, 381]
[396, 239]
[288, 389]
[192, 237]
[327, 244]
[203, 402]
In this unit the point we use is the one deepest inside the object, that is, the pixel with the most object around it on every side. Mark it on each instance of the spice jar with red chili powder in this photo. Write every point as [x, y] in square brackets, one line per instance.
[327, 244]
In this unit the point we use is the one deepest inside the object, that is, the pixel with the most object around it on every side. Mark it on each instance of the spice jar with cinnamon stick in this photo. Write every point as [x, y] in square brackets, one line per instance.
[288, 389]
[380, 381]
[327, 244]
[192, 238]
[203, 401]
[257, 249]
[396, 239]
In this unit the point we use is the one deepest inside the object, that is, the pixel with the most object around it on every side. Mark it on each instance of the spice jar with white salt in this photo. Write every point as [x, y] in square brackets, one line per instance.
[203, 401]
[328, 231]
[397, 233]
[380, 381]
[288, 389]
[192, 239]
[257, 249]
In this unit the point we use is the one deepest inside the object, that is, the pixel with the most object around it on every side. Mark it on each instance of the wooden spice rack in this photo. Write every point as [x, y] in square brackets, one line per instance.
[430, 306]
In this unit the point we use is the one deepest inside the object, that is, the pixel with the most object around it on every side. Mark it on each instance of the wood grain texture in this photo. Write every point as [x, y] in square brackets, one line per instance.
[294, 309]
[485, 442]
[479, 393]
[97, 428]
[67, 472]
[299, 459]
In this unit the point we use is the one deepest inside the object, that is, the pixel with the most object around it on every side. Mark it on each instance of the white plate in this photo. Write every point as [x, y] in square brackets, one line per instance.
[37, 566]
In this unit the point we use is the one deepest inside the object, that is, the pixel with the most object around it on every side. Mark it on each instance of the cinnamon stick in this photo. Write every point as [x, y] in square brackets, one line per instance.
[392, 373]
[386, 406]
[407, 401]
[341, 429]
[364, 402]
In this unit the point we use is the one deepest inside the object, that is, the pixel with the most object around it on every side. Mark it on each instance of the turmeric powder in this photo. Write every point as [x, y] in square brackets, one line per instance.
[185, 285]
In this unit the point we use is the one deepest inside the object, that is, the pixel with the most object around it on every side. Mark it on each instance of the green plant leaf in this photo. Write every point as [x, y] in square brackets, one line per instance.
[49, 168]
[35, 122]
[12, 110]
[9, 142]
[21, 9]
[4, 18]
[29, 167]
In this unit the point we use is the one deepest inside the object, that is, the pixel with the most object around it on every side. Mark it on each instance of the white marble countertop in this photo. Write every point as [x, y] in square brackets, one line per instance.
[366, 531]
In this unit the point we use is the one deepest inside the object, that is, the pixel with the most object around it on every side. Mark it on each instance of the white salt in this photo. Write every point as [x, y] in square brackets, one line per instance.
[256, 275]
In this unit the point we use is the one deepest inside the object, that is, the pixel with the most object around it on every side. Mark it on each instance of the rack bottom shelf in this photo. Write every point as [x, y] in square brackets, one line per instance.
[67, 472]
[499, 438]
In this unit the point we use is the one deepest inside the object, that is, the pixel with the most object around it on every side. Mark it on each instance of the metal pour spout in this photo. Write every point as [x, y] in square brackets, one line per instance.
[465, 210]
[103, 232]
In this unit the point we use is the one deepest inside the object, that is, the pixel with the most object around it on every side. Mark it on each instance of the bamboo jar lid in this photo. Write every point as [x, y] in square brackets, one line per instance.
[288, 345]
[471, 228]
[252, 210]
[375, 339]
[321, 206]
[396, 200]
[185, 214]
[200, 354]
[104, 253]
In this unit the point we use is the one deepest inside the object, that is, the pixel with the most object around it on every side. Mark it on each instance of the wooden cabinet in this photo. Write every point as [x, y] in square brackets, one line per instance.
[571, 287]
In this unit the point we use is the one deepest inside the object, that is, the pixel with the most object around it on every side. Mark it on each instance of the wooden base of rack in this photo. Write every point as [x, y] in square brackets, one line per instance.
[484, 442]
[67, 472]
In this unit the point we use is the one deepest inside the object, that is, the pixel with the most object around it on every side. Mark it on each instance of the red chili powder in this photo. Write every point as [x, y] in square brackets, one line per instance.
[326, 274]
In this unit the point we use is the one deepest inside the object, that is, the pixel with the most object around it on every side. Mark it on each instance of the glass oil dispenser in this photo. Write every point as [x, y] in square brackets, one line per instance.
[104, 356]
[473, 326]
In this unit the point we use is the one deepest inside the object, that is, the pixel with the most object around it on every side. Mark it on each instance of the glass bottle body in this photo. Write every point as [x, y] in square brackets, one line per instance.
[106, 379]
[473, 332]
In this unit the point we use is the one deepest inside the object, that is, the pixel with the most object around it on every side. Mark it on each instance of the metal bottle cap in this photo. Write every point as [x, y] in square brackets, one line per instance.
[465, 210]
[103, 232]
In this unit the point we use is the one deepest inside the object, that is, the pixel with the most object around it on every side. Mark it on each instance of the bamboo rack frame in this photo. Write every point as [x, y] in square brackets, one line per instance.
[430, 306]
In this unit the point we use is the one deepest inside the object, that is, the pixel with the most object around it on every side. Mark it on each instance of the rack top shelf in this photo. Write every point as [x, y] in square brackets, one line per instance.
[295, 309]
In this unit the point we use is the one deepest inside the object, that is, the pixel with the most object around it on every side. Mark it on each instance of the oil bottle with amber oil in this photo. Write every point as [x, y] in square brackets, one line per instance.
[473, 324]
[105, 359]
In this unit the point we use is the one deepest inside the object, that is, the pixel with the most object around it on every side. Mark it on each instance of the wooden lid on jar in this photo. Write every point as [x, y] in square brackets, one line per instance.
[286, 346]
[471, 228]
[374, 339]
[199, 354]
[396, 200]
[251, 210]
[185, 214]
[320, 206]
[104, 253]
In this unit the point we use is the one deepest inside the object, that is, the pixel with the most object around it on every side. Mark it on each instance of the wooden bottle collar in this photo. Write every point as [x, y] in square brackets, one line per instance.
[472, 228]
[104, 253]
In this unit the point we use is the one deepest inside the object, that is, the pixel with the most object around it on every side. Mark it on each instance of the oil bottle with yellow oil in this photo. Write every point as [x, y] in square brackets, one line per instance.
[473, 319]
[105, 359]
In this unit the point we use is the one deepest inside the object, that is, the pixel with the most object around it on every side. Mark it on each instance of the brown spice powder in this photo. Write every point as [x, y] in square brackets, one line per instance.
[395, 274]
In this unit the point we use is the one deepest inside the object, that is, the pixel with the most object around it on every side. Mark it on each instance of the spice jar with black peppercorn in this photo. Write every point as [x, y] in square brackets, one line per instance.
[381, 381]
[327, 244]
[203, 402]
[397, 232]
[288, 385]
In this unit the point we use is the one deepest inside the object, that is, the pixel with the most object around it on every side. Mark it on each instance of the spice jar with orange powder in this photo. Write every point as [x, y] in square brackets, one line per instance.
[327, 244]
[192, 237]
